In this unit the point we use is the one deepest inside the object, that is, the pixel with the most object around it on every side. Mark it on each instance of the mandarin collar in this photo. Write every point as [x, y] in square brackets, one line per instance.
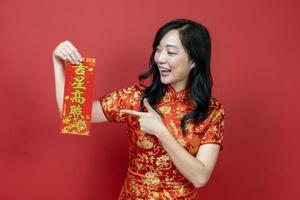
[172, 95]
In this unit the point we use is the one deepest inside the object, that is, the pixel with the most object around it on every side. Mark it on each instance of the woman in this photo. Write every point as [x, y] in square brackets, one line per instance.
[175, 126]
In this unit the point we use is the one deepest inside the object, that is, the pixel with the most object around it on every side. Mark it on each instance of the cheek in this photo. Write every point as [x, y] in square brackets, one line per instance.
[175, 62]
[179, 64]
[155, 57]
[181, 70]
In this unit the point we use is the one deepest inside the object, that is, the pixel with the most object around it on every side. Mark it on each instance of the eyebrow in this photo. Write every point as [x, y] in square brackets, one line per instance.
[171, 45]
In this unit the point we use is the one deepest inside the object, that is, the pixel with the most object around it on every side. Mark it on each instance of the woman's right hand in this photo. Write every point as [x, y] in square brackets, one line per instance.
[66, 51]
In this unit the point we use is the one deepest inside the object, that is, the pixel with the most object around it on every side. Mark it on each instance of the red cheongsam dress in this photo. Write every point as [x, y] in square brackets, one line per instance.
[151, 173]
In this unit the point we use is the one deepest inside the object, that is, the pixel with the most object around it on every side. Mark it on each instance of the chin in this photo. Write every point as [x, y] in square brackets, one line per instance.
[165, 81]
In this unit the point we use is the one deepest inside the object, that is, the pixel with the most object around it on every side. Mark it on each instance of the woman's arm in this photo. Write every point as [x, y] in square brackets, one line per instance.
[196, 169]
[66, 51]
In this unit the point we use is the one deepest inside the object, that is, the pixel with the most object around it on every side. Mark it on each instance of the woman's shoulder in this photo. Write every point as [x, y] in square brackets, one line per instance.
[216, 104]
[216, 109]
[135, 90]
[132, 88]
[139, 86]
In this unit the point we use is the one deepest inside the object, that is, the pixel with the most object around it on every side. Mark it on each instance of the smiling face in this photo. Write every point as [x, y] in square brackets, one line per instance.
[173, 61]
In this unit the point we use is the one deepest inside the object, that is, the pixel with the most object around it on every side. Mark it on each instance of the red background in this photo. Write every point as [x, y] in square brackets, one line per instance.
[255, 66]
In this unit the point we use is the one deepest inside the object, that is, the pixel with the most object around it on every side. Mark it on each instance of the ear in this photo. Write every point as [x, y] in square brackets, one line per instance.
[193, 65]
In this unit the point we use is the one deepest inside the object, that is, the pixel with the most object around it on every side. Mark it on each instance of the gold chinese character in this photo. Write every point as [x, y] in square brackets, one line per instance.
[80, 69]
[78, 98]
[75, 110]
[78, 82]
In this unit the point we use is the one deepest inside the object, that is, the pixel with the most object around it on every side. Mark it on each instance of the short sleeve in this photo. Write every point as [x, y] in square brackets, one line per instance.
[215, 132]
[115, 101]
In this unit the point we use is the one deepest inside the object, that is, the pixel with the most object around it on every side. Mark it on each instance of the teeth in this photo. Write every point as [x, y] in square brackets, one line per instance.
[165, 69]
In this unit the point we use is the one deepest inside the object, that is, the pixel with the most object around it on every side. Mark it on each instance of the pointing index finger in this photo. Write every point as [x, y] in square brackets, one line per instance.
[131, 112]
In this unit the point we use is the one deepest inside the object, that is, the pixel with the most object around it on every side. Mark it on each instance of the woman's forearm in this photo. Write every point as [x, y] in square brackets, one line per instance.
[189, 166]
[59, 74]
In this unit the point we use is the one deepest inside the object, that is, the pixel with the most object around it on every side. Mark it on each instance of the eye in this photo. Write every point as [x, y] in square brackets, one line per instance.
[171, 53]
[157, 49]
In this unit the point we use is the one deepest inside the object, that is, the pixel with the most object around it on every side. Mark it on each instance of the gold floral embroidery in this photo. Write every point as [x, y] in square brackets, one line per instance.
[180, 189]
[162, 160]
[154, 196]
[180, 112]
[181, 141]
[167, 195]
[151, 179]
[165, 109]
[144, 143]
[172, 127]
[133, 186]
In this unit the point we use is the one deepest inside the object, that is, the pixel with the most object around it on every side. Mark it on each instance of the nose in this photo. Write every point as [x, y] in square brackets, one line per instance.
[161, 57]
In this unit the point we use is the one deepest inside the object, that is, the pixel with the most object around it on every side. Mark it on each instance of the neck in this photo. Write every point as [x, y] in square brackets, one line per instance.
[178, 87]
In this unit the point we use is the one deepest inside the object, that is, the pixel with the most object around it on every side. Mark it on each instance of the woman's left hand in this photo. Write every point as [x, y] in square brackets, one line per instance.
[150, 122]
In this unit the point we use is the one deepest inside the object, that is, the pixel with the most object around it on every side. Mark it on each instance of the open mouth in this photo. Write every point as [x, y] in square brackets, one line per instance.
[164, 69]
[164, 72]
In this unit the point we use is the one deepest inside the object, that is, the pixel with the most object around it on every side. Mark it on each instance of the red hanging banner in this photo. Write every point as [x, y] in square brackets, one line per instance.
[78, 97]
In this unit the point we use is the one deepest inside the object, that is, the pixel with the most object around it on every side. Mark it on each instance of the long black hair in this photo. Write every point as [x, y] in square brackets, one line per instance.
[195, 39]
